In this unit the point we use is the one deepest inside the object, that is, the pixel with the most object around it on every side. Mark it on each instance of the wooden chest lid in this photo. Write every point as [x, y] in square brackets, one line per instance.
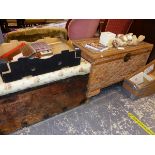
[92, 55]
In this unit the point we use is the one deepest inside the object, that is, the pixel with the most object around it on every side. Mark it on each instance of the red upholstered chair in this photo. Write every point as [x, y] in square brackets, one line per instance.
[118, 26]
[82, 28]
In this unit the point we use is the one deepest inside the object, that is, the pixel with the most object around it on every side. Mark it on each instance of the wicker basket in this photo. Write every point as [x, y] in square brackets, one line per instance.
[113, 65]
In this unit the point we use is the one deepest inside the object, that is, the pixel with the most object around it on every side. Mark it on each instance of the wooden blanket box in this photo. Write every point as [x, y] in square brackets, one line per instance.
[22, 109]
[113, 65]
[57, 85]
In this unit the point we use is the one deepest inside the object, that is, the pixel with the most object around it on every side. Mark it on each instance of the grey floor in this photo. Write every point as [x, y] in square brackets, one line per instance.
[104, 114]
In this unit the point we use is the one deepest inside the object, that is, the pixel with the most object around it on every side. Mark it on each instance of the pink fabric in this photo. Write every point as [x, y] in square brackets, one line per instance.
[82, 28]
[118, 26]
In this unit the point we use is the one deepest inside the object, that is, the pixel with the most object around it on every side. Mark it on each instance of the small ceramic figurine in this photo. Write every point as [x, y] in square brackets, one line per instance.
[122, 40]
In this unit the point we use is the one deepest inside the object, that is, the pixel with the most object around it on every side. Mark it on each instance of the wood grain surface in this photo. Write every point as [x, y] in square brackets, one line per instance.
[29, 107]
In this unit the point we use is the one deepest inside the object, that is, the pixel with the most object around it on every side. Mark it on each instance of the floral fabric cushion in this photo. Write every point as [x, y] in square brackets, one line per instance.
[30, 82]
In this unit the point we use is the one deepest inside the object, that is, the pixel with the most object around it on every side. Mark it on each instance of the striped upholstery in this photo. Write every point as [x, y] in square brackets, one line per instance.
[118, 26]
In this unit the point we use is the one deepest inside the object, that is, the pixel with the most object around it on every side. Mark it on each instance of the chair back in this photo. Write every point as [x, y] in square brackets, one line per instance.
[82, 28]
[118, 26]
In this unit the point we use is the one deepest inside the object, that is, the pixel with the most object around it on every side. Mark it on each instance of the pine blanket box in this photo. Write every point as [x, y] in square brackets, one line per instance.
[112, 65]
[25, 100]
[32, 99]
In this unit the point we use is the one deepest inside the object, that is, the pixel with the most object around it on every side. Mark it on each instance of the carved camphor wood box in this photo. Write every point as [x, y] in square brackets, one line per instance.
[113, 65]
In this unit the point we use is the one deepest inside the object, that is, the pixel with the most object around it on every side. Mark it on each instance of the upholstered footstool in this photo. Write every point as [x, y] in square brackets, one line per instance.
[33, 99]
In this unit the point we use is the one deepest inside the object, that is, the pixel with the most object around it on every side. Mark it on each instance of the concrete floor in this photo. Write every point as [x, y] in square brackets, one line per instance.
[104, 114]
